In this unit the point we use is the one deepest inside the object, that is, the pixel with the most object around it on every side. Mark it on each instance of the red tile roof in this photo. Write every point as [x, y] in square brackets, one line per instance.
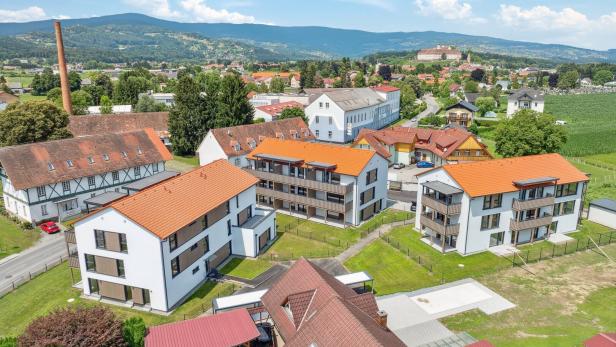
[224, 329]
[8, 98]
[601, 340]
[29, 165]
[119, 123]
[385, 88]
[166, 207]
[275, 109]
[446, 50]
[321, 310]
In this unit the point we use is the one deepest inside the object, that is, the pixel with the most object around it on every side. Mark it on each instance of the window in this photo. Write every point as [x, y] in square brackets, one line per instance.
[137, 171]
[566, 189]
[329, 134]
[99, 237]
[69, 163]
[91, 181]
[124, 155]
[366, 196]
[123, 244]
[492, 201]
[120, 265]
[237, 161]
[316, 119]
[327, 106]
[175, 266]
[115, 176]
[139, 151]
[44, 210]
[564, 208]
[155, 167]
[316, 132]
[193, 247]
[228, 227]
[195, 270]
[90, 262]
[320, 105]
[93, 285]
[90, 160]
[371, 176]
[173, 242]
[50, 167]
[66, 186]
[331, 120]
[40, 191]
[105, 157]
[490, 221]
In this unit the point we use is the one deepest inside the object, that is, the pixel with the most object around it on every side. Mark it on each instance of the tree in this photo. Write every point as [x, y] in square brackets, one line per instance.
[553, 80]
[471, 86]
[473, 128]
[44, 82]
[485, 104]
[103, 81]
[568, 80]
[360, 80]
[74, 81]
[385, 72]
[147, 103]
[478, 75]
[127, 90]
[81, 100]
[408, 97]
[55, 95]
[133, 331]
[188, 119]
[601, 77]
[529, 132]
[95, 326]
[32, 121]
[293, 112]
[233, 106]
[106, 105]
[375, 80]
[277, 85]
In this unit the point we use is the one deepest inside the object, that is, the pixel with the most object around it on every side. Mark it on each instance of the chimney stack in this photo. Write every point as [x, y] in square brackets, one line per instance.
[382, 319]
[64, 82]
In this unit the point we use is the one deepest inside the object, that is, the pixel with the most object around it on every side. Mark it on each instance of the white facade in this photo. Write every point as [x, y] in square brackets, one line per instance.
[209, 150]
[472, 238]
[147, 259]
[331, 122]
[262, 114]
[602, 215]
[264, 99]
[525, 99]
[62, 200]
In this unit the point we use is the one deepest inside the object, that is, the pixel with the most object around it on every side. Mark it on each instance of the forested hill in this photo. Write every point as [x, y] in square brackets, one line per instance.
[306, 42]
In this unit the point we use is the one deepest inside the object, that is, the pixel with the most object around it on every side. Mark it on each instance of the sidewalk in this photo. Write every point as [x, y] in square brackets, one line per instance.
[357, 247]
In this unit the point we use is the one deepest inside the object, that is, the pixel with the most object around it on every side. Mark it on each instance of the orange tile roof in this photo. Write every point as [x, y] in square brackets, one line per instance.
[497, 176]
[385, 88]
[166, 207]
[276, 109]
[348, 161]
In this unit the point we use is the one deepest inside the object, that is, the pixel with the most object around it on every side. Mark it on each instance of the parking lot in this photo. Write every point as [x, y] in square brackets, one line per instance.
[406, 175]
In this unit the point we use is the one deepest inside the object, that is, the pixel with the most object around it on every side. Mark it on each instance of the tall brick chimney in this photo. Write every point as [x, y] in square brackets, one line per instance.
[64, 82]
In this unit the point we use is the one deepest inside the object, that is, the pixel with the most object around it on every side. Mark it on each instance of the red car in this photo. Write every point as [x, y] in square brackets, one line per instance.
[50, 227]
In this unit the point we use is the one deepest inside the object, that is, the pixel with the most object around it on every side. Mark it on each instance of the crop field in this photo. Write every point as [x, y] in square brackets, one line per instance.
[602, 170]
[591, 122]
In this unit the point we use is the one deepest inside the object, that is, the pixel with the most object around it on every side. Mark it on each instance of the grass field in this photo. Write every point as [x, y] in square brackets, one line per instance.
[602, 172]
[568, 300]
[25, 80]
[182, 163]
[13, 239]
[53, 289]
[591, 122]
[30, 97]
[245, 267]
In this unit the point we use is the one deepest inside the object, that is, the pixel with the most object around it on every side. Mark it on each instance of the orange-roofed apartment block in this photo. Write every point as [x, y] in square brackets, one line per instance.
[472, 207]
[154, 248]
[325, 183]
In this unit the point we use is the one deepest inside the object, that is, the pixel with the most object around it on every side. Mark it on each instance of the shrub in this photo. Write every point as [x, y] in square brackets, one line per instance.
[95, 326]
[27, 225]
[8, 341]
[133, 331]
[436, 121]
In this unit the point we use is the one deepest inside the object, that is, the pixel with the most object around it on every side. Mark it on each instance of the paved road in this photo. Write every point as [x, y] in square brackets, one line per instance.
[49, 249]
[432, 108]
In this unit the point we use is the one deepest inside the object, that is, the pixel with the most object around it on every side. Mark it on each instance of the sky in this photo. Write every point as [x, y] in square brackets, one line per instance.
[587, 24]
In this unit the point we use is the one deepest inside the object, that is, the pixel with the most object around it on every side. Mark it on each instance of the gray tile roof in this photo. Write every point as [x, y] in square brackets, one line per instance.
[533, 94]
[607, 204]
[350, 99]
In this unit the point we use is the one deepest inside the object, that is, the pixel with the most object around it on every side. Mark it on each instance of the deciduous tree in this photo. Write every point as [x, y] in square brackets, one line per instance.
[529, 132]
[32, 121]
[293, 112]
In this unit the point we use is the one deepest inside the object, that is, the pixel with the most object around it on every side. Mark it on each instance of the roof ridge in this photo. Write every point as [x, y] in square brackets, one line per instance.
[75, 138]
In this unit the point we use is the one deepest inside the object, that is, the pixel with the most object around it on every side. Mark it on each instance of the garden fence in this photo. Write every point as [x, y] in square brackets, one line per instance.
[16, 282]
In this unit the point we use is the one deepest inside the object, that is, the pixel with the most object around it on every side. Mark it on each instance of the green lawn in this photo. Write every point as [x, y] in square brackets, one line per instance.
[246, 267]
[13, 239]
[25, 80]
[392, 271]
[568, 300]
[290, 246]
[449, 266]
[182, 163]
[30, 97]
[602, 169]
[53, 289]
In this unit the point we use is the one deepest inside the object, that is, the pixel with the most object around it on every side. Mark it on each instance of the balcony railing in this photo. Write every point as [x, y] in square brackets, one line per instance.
[69, 236]
[304, 200]
[73, 260]
[441, 206]
[434, 225]
[544, 220]
[302, 182]
[521, 205]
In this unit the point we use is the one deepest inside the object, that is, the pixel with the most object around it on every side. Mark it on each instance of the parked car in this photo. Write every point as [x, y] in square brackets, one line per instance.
[399, 165]
[50, 227]
[424, 164]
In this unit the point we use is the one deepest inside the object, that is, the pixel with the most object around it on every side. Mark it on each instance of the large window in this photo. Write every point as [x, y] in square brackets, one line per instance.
[371, 176]
[40, 191]
[120, 265]
[490, 221]
[492, 201]
[123, 245]
[566, 189]
[175, 266]
[93, 285]
[564, 208]
[90, 262]
[99, 236]
[173, 242]
[66, 186]
[366, 196]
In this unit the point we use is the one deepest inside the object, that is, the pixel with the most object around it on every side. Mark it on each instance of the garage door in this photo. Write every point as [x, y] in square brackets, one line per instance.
[219, 256]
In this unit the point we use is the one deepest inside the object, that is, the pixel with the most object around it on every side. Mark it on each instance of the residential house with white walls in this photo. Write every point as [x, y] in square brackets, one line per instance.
[234, 143]
[51, 180]
[471, 207]
[338, 114]
[153, 249]
[525, 99]
[326, 183]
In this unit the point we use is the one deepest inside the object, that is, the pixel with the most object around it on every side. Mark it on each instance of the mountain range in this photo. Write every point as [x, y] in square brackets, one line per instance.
[137, 36]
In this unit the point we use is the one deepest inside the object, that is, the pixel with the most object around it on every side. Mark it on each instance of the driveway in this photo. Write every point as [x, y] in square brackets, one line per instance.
[413, 316]
[406, 175]
[431, 109]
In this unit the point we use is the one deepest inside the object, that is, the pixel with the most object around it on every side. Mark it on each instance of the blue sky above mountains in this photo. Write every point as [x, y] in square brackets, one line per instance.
[588, 24]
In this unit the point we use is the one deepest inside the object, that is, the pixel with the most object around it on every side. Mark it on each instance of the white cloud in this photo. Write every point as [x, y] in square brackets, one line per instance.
[383, 4]
[157, 8]
[446, 9]
[199, 11]
[28, 14]
[543, 17]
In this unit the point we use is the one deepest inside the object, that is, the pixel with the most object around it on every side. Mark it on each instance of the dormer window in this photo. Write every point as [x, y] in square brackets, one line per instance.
[69, 163]
[237, 147]
[124, 155]
[90, 160]
[105, 157]
[139, 151]
[50, 166]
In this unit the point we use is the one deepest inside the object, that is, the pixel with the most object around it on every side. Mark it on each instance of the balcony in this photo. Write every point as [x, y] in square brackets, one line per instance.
[73, 260]
[304, 200]
[440, 206]
[302, 182]
[437, 226]
[522, 205]
[69, 236]
[544, 220]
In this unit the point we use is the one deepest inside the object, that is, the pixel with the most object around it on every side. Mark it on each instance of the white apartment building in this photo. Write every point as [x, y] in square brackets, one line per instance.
[155, 248]
[164, 98]
[338, 114]
[322, 182]
[234, 143]
[525, 99]
[471, 207]
[51, 180]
